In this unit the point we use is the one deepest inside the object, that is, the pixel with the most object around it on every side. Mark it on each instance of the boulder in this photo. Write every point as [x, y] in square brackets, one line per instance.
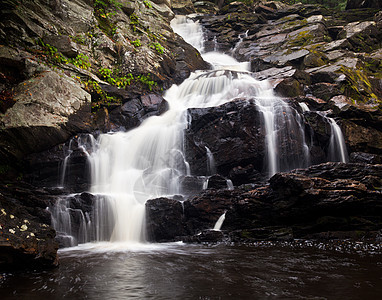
[48, 109]
[164, 219]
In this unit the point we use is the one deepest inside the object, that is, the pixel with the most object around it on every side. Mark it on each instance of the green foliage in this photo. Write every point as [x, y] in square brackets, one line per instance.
[134, 21]
[158, 47]
[136, 43]
[332, 4]
[54, 57]
[79, 39]
[147, 4]
[124, 81]
[147, 81]
[99, 96]
[102, 13]
[121, 82]
[81, 61]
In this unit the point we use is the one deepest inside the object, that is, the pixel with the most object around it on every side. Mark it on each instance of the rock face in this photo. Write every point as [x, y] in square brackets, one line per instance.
[311, 55]
[26, 238]
[49, 88]
[331, 200]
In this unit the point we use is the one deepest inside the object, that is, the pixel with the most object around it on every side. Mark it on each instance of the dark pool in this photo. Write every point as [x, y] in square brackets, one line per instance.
[182, 271]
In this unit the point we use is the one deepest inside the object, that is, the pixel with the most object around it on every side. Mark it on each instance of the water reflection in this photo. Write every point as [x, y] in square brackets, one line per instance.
[178, 271]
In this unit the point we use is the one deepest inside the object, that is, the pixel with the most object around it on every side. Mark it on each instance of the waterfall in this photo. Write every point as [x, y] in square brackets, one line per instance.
[337, 146]
[129, 168]
[211, 168]
[219, 222]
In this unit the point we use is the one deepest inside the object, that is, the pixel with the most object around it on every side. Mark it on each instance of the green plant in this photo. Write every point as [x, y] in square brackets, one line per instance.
[136, 43]
[102, 13]
[158, 47]
[147, 4]
[134, 21]
[52, 55]
[147, 81]
[81, 61]
[99, 96]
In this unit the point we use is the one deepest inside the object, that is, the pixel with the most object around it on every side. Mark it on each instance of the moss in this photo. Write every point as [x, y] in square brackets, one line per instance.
[358, 86]
[296, 24]
[302, 39]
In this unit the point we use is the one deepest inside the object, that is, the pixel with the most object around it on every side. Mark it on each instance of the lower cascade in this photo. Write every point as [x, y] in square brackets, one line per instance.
[129, 168]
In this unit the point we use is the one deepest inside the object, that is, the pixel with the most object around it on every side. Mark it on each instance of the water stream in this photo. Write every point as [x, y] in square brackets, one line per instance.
[128, 168]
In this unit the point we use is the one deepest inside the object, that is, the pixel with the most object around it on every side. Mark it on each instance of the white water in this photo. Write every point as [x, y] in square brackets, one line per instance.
[128, 168]
[211, 167]
[219, 222]
[337, 146]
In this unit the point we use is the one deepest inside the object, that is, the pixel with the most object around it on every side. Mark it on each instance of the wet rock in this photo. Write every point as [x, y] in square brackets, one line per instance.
[183, 7]
[353, 4]
[217, 182]
[324, 90]
[26, 239]
[368, 158]
[231, 132]
[164, 219]
[63, 44]
[133, 112]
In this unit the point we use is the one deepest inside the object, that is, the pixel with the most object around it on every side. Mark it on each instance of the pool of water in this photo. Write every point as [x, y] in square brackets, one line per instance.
[183, 271]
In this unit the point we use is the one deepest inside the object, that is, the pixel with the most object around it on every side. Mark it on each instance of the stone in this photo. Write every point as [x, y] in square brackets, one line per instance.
[26, 239]
[42, 114]
[164, 219]
[63, 43]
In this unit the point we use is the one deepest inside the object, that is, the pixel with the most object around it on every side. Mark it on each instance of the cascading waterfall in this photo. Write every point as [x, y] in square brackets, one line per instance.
[337, 148]
[128, 168]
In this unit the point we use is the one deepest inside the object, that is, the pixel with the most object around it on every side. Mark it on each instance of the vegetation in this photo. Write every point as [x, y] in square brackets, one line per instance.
[336, 4]
[147, 4]
[103, 10]
[136, 43]
[158, 47]
[55, 57]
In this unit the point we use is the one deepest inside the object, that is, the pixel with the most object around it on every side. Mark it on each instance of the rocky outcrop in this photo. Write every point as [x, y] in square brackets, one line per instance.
[26, 238]
[331, 200]
[62, 60]
[309, 52]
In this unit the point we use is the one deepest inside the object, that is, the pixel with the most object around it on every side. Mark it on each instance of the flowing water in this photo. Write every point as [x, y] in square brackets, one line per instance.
[130, 167]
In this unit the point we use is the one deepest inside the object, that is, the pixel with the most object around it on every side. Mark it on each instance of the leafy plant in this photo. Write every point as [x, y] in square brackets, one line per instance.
[147, 81]
[136, 43]
[147, 4]
[102, 13]
[158, 47]
[81, 61]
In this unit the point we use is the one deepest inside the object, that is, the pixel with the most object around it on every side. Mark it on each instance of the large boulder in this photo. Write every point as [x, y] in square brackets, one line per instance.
[48, 109]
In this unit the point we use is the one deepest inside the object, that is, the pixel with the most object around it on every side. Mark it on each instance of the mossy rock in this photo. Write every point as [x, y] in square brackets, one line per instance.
[358, 87]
